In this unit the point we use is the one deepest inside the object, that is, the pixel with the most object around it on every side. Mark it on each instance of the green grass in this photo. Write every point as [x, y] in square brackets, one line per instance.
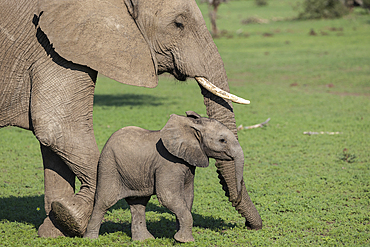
[306, 188]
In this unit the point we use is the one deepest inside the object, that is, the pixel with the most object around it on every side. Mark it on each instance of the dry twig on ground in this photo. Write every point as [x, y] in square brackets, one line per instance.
[254, 126]
[321, 133]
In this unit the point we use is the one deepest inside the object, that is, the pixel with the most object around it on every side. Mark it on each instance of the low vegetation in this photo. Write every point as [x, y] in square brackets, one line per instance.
[261, 2]
[311, 190]
[317, 9]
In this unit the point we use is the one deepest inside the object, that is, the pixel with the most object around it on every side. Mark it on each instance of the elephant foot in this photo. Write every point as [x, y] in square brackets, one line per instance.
[49, 229]
[72, 216]
[91, 234]
[184, 237]
[256, 226]
[141, 235]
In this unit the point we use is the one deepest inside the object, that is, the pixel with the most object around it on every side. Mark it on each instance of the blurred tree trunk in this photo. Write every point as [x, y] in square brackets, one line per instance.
[213, 16]
[212, 9]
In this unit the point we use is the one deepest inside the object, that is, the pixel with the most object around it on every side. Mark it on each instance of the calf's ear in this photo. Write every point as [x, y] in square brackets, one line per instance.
[192, 114]
[102, 35]
[182, 138]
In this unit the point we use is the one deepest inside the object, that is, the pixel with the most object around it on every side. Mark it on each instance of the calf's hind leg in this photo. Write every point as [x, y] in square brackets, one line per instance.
[138, 223]
[101, 206]
[108, 192]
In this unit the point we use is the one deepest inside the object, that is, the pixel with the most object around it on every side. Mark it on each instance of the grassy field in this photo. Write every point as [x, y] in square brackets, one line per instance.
[309, 190]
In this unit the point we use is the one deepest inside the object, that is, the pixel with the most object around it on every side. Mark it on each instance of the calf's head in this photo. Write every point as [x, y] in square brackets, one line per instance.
[196, 139]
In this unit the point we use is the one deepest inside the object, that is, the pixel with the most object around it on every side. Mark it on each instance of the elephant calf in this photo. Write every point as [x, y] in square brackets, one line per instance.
[137, 163]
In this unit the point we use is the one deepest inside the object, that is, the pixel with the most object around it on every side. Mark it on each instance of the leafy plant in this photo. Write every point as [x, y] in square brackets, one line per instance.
[317, 9]
[261, 2]
[366, 4]
[347, 157]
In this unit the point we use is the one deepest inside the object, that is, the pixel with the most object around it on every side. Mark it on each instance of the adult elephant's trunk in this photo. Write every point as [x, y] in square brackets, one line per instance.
[222, 110]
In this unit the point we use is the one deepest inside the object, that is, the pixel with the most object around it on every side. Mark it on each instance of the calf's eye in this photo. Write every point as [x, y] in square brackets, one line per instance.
[223, 140]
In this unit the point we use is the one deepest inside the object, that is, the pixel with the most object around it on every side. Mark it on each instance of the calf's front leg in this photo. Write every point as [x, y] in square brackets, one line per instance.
[138, 222]
[170, 192]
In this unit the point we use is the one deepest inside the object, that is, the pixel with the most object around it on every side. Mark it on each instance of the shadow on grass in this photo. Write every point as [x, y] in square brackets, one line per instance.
[164, 228]
[29, 210]
[127, 100]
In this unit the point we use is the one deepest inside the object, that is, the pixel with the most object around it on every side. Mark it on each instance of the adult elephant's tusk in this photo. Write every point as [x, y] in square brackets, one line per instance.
[219, 92]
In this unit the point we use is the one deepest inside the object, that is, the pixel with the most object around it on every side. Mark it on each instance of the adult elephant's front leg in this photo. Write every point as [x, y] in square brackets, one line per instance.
[67, 213]
[72, 212]
[56, 172]
[61, 113]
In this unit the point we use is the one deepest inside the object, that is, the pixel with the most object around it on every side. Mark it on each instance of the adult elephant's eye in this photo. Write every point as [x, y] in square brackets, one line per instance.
[179, 22]
[179, 25]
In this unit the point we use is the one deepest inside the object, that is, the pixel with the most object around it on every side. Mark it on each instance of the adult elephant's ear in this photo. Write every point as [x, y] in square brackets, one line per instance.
[101, 35]
[182, 138]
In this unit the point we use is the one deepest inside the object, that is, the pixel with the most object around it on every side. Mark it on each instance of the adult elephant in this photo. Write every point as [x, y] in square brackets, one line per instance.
[50, 54]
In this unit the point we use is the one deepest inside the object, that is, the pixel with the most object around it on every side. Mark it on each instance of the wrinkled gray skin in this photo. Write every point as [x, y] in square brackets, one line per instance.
[136, 163]
[50, 54]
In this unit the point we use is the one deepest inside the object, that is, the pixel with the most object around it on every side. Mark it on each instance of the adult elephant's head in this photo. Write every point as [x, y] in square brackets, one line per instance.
[133, 41]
